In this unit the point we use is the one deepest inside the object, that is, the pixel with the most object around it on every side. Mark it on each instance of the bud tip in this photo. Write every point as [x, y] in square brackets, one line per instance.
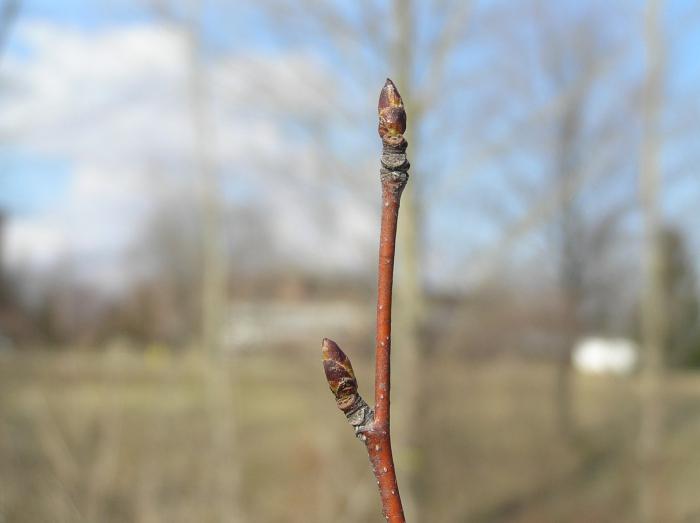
[392, 117]
[330, 350]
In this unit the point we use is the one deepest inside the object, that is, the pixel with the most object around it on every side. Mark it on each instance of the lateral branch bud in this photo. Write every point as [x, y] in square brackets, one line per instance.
[343, 384]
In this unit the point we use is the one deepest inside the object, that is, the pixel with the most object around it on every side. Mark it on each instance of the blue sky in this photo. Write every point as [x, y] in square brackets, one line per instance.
[30, 182]
[36, 178]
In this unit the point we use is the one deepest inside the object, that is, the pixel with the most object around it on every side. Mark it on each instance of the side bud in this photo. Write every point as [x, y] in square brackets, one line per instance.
[340, 375]
[341, 380]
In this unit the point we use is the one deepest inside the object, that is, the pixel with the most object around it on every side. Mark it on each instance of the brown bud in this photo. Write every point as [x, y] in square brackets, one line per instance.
[340, 376]
[392, 116]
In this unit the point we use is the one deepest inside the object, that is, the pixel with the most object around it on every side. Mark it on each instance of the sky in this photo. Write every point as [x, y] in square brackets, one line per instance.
[96, 102]
[95, 106]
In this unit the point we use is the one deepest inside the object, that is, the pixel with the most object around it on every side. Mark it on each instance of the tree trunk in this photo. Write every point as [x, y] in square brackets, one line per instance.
[217, 375]
[653, 311]
[409, 292]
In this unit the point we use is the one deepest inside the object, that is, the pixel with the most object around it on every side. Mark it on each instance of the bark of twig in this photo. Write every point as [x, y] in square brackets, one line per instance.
[372, 425]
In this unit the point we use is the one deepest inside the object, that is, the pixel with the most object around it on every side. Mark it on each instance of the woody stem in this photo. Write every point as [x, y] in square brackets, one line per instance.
[379, 437]
[372, 426]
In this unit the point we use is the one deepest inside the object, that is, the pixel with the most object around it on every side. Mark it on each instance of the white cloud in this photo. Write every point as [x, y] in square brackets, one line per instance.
[115, 103]
[33, 242]
[110, 97]
[98, 217]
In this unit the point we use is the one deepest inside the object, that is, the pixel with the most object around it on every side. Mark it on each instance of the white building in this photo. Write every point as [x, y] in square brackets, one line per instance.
[595, 355]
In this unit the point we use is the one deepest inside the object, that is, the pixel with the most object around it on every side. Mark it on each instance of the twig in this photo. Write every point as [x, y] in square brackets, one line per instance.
[372, 426]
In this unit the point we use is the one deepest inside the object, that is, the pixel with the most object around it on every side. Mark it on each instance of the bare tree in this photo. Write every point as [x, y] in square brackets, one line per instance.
[653, 312]
[579, 152]
[410, 295]
[226, 475]
[570, 60]
[217, 375]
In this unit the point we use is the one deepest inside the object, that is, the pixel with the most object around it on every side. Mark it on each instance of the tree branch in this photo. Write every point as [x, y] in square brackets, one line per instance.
[372, 426]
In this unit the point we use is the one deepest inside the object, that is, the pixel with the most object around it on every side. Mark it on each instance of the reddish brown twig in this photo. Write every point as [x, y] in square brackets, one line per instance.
[372, 426]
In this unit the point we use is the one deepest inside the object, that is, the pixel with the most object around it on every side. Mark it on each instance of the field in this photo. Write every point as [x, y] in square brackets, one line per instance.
[123, 436]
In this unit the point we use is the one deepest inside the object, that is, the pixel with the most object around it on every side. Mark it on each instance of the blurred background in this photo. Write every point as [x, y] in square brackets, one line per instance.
[190, 202]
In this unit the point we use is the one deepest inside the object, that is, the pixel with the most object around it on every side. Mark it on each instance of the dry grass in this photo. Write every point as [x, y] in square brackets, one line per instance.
[124, 437]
